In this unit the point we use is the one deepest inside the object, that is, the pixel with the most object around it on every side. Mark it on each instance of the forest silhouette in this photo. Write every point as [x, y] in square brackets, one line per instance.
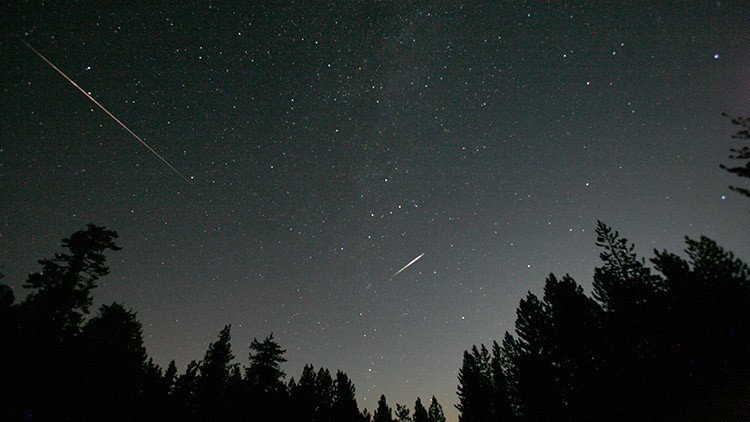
[668, 341]
[57, 363]
[661, 343]
[664, 343]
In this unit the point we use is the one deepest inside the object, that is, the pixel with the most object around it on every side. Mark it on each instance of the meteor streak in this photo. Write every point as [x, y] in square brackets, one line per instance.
[407, 265]
[104, 109]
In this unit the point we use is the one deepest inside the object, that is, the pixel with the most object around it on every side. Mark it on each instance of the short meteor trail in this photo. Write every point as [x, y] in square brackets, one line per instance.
[104, 109]
[407, 265]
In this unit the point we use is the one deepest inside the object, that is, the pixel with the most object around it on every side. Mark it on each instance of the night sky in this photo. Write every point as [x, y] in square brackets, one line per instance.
[329, 144]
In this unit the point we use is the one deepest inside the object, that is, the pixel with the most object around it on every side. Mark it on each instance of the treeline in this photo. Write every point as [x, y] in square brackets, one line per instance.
[665, 343]
[58, 364]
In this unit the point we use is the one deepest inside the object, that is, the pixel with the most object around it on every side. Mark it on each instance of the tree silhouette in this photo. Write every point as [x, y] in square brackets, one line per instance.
[6, 295]
[571, 336]
[740, 153]
[265, 379]
[264, 373]
[302, 395]
[475, 386]
[114, 364]
[383, 413]
[312, 398]
[537, 400]
[633, 300]
[420, 413]
[500, 399]
[344, 402]
[56, 365]
[235, 395]
[61, 291]
[435, 414]
[156, 402]
[214, 377]
[707, 327]
[366, 415]
[403, 413]
[325, 392]
[623, 281]
[185, 393]
[664, 345]
[39, 351]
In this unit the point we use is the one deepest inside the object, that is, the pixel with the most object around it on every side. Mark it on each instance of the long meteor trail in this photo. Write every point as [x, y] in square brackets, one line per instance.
[104, 110]
[407, 265]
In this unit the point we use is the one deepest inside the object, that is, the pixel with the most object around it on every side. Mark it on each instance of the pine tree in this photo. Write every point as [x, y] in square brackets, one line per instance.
[185, 393]
[402, 413]
[61, 291]
[114, 362]
[214, 376]
[435, 413]
[312, 398]
[235, 395]
[170, 375]
[41, 347]
[154, 398]
[6, 296]
[623, 281]
[501, 400]
[302, 396]
[265, 379]
[324, 394]
[264, 373]
[740, 153]
[537, 394]
[633, 300]
[707, 326]
[366, 415]
[383, 413]
[475, 386]
[344, 402]
[420, 413]
[169, 407]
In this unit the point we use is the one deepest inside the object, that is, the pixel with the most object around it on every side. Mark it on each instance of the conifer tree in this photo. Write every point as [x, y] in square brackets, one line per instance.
[475, 386]
[265, 379]
[383, 413]
[302, 396]
[61, 291]
[633, 300]
[501, 400]
[170, 375]
[6, 296]
[706, 323]
[435, 414]
[624, 281]
[366, 415]
[113, 364]
[420, 413]
[312, 398]
[39, 351]
[324, 389]
[155, 400]
[344, 402]
[264, 373]
[740, 153]
[185, 392]
[235, 394]
[571, 337]
[214, 376]
[402, 413]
